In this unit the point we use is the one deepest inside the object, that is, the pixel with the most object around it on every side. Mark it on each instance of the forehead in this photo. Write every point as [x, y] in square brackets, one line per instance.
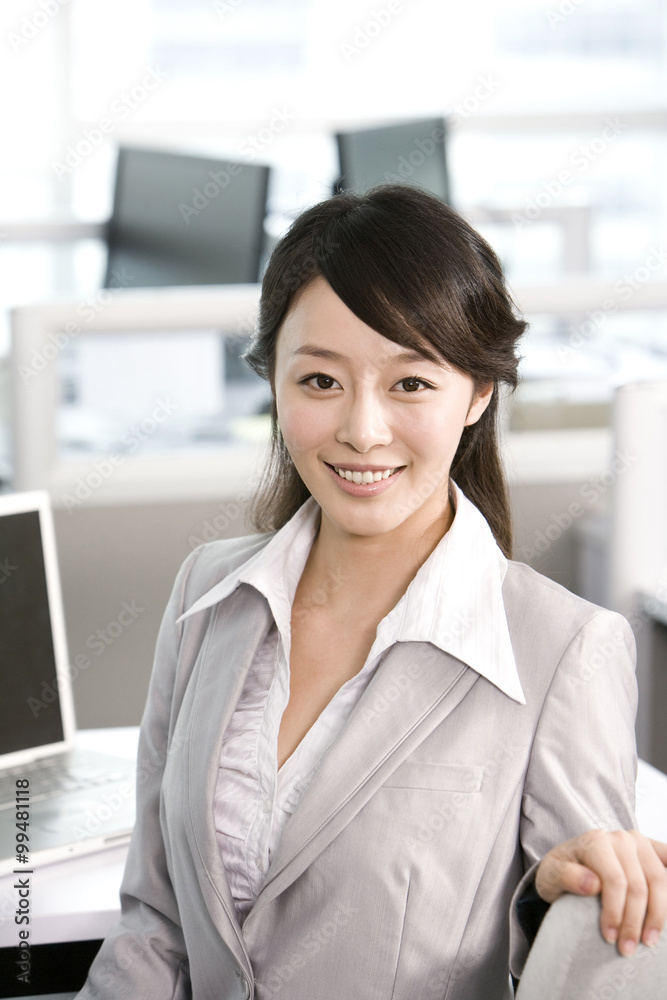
[319, 324]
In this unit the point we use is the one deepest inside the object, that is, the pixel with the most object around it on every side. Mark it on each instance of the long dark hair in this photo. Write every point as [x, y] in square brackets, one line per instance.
[413, 270]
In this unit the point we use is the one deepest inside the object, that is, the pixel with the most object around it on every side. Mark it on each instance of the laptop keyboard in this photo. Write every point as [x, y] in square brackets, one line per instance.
[50, 777]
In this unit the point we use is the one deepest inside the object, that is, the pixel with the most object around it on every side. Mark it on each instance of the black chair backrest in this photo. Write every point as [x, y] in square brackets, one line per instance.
[409, 153]
[185, 220]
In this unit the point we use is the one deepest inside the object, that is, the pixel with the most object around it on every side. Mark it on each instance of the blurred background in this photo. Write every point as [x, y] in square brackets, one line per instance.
[153, 152]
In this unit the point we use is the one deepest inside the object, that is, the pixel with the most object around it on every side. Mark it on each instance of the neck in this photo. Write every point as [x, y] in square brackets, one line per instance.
[357, 571]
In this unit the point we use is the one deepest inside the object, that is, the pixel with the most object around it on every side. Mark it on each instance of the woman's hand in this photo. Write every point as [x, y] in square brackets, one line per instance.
[626, 867]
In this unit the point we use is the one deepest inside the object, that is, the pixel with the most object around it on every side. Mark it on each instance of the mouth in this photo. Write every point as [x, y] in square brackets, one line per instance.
[364, 481]
[363, 477]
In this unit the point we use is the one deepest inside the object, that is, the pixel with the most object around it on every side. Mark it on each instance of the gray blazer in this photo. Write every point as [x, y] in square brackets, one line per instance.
[394, 877]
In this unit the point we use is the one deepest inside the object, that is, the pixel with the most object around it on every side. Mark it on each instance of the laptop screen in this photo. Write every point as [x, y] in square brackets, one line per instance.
[30, 711]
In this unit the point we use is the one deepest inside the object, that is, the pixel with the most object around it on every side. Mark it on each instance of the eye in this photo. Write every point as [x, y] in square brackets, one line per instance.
[414, 384]
[319, 381]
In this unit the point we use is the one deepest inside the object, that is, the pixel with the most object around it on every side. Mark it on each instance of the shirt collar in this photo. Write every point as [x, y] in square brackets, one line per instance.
[274, 570]
[455, 600]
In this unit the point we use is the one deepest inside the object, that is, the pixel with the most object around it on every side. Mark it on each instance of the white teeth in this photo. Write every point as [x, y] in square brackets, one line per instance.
[364, 477]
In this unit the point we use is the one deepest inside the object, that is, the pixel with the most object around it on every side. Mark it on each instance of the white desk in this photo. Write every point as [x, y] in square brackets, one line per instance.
[77, 900]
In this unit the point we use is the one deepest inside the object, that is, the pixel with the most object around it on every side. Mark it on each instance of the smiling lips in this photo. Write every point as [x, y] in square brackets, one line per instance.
[363, 478]
[364, 481]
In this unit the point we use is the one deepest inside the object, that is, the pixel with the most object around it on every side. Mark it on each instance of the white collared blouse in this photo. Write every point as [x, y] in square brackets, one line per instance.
[454, 601]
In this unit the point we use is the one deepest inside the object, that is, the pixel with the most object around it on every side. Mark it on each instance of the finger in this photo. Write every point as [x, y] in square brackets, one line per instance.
[557, 875]
[599, 852]
[660, 849]
[627, 849]
[656, 878]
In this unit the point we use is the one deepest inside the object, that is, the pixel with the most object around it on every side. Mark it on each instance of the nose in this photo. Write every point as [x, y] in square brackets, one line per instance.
[364, 422]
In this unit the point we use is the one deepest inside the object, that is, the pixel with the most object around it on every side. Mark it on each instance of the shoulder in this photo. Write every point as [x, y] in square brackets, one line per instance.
[211, 562]
[556, 634]
[546, 609]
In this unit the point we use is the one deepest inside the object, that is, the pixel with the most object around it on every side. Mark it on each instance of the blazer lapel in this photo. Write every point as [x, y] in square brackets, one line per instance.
[413, 690]
[238, 625]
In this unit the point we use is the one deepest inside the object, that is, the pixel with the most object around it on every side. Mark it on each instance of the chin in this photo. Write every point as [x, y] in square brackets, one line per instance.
[362, 522]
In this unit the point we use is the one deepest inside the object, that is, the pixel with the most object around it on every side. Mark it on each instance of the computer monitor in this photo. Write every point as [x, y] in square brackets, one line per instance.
[185, 220]
[409, 153]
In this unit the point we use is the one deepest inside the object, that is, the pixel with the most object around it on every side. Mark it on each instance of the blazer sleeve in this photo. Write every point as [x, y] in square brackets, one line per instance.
[144, 954]
[583, 762]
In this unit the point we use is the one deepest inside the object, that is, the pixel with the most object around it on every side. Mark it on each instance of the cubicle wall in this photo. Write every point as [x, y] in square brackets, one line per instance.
[120, 557]
[126, 555]
[123, 544]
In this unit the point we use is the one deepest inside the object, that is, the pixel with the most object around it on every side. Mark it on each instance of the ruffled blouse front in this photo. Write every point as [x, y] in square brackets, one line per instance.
[253, 799]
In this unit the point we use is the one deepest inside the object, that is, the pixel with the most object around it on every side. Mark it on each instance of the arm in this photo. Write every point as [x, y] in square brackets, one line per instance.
[144, 954]
[581, 774]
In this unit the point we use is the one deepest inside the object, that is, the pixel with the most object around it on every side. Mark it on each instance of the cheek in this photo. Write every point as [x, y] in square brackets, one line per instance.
[301, 428]
[436, 434]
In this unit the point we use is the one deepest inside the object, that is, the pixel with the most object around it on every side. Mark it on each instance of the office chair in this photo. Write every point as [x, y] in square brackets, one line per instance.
[408, 153]
[185, 220]
[570, 960]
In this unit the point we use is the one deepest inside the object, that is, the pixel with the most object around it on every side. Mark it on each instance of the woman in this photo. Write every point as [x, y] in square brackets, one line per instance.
[371, 739]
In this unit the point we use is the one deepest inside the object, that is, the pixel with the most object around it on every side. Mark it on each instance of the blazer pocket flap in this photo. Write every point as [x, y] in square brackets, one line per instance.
[440, 777]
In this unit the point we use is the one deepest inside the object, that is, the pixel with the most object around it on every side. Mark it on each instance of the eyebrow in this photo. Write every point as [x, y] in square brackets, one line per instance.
[405, 357]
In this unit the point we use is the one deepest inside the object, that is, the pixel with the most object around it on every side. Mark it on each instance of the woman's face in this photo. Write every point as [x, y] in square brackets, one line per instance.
[372, 427]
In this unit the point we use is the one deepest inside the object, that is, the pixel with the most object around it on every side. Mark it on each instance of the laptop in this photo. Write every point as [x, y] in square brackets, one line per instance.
[56, 801]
